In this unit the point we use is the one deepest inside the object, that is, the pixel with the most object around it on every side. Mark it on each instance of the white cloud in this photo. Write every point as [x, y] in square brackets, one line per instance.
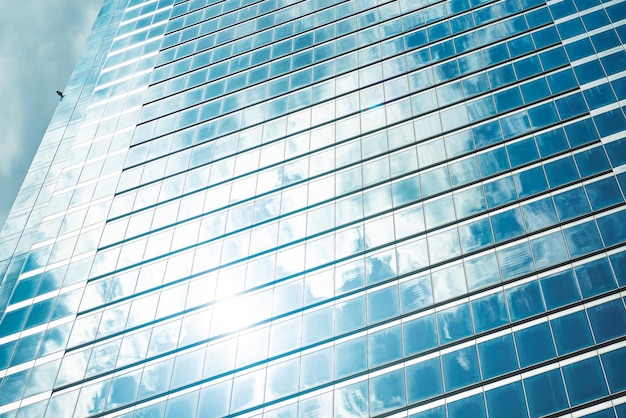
[40, 42]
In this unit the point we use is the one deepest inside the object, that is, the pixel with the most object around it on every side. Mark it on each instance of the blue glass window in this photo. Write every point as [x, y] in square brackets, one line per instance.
[571, 204]
[500, 192]
[387, 392]
[497, 356]
[489, 312]
[595, 277]
[592, 161]
[350, 315]
[460, 368]
[618, 261]
[552, 142]
[604, 193]
[534, 344]
[608, 320]
[561, 171]
[539, 214]
[507, 401]
[382, 304]
[212, 398]
[524, 301]
[481, 271]
[549, 250]
[522, 152]
[472, 406]
[560, 289]
[507, 225]
[416, 293]
[454, 323]
[584, 381]
[419, 335]
[350, 357]
[515, 261]
[438, 412]
[612, 228]
[384, 346]
[530, 182]
[571, 332]
[599, 96]
[475, 235]
[493, 162]
[424, 380]
[581, 132]
[582, 239]
[545, 393]
[615, 369]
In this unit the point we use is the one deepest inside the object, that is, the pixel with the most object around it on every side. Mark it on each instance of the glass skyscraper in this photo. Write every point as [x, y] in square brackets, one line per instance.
[316, 208]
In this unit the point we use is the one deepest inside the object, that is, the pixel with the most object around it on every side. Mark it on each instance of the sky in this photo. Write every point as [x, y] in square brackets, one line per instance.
[40, 41]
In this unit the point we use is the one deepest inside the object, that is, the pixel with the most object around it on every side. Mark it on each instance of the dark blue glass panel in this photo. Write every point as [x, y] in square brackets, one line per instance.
[500, 192]
[552, 59]
[562, 9]
[599, 96]
[616, 149]
[604, 193]
[562, 81]
[539, 214]
[508, 99]
[502, 76]
[618, 261]
[571, 204]
[454, 323]
[592, 161]
[530, 182]
[6, 351]
[613, 228]
[419, 335]
[534, 344]
[561, 171]
[595, 277]
[545, 393]
[524, 301]
[522, 152]
[424, 380]
[605, 40]
[543, 115]
[579, 49]
[460, 368]
[535, 90]
[615, 369]
[472, 406]
[584, 381]
[571, 332]
[571, 106]
[571, 28]
[507, 225]
[583, 239]
[497, 356]
[493, 162]
[608, 320]
[488, 133]
[489, 312]
[507, 401]
[560, 289]
[581, 132]
[614, 63]
[609, 123]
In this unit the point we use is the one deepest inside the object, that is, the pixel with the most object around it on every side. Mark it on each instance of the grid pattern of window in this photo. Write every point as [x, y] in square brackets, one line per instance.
[311, 208]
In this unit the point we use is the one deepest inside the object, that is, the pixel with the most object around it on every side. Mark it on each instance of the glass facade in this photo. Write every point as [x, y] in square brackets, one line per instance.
[314, 208]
